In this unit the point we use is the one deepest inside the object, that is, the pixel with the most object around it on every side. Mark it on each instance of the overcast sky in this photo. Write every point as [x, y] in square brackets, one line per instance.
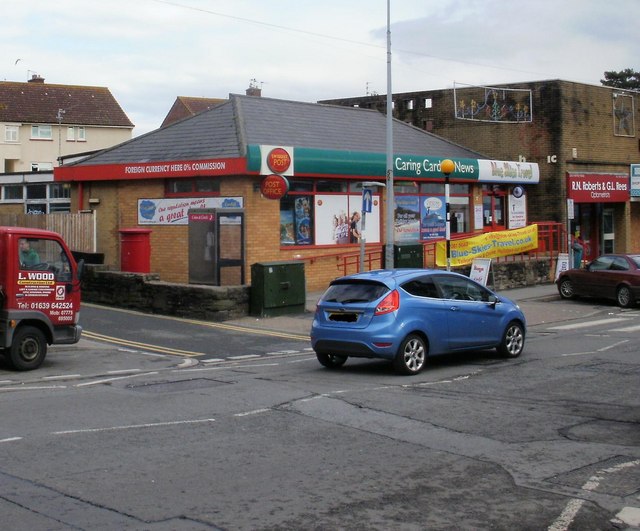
[148, 52]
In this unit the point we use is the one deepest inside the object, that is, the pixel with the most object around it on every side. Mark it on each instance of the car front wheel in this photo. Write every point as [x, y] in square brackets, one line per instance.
[624, 297]
[412, 355]
[331, 361]
[566, 289]
[512, 343]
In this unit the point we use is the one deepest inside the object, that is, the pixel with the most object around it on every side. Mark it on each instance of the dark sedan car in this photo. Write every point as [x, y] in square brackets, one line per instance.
[407, 315]
[611, 276]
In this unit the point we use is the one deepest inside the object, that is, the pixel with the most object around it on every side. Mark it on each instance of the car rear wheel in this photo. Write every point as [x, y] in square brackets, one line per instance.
[512, 343]
[412, 355]
[28, 349]
[566, 289]
[331, 361]
[624, 297]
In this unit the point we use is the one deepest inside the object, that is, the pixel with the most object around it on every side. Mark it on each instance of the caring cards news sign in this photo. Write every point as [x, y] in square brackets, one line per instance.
[598, 187]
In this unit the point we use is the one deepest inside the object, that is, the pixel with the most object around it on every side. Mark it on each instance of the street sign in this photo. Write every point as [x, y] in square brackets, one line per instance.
[367, 200]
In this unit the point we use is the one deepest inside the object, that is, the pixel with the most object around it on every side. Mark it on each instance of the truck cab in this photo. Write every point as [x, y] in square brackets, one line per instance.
[39, 295]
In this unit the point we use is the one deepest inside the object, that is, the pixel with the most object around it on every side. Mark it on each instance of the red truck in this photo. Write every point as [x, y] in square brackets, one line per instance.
[39, 295]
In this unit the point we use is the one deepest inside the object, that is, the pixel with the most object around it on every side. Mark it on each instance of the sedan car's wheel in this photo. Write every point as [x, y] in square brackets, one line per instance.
[412, 355]
[566, 289]
[331, 361]
[512, 343]
[624, 297]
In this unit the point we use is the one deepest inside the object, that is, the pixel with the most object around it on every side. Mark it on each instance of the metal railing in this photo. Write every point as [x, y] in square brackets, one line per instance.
[551, 241]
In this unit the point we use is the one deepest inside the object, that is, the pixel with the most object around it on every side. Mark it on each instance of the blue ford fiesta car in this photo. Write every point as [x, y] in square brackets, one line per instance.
[406, 315]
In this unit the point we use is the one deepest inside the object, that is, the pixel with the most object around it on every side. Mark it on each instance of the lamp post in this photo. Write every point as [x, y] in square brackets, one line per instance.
[447, 166]
[388, 255]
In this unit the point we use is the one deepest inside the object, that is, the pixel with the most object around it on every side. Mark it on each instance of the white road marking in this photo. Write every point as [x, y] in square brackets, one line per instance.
[132, 427]
[574, 326]
[11, 439]
[254, 412]
[105, 380]
[603, 349]
[634, 328]
[565, 519]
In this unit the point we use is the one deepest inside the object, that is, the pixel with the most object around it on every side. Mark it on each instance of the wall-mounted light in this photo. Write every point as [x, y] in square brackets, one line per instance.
[94, 201]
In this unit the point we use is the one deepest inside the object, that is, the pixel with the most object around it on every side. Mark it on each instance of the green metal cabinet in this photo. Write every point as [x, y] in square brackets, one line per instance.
[408, 255]
[277, 288]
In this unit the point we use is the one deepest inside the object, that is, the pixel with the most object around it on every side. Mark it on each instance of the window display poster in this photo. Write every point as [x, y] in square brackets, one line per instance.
[303, 220]
[332, 219]
[286, 228]
[433, 216]
[334, 214]
[174, 211]
[407, 218]
[517, 211]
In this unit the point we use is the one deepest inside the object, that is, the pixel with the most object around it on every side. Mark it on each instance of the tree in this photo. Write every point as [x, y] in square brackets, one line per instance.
[625, 79]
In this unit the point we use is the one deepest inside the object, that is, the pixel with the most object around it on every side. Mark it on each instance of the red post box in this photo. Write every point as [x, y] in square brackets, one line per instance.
[135, 250]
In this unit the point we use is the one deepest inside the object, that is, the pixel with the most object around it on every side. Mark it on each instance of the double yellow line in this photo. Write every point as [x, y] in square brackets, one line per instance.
[178, 352]
[86, 334]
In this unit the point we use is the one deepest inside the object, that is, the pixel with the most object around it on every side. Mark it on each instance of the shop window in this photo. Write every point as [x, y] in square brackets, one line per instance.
[296, 220]
[326, 212]
[494, 206]
[421, 210]
[296, 185]
[331, 186]
[186, 187]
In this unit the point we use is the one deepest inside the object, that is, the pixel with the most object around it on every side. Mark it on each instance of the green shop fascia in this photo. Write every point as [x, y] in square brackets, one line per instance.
[325, 214]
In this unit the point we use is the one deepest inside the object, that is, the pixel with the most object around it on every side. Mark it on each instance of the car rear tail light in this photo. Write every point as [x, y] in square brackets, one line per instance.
[389, 304]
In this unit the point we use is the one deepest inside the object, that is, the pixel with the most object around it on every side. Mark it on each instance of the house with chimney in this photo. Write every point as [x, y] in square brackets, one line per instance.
[42, 122]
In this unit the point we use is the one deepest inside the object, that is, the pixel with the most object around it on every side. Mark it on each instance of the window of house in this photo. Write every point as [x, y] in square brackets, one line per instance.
[428, 103]
[41, 132]
[41, 166]
[12, 192]
[191, 186]
[60, 191]
[75, 134]
[37, 191]
[410, 104]
[39, 198]
[11, 133]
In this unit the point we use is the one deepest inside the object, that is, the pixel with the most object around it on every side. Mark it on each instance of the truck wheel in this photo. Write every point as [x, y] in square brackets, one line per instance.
[28, 349]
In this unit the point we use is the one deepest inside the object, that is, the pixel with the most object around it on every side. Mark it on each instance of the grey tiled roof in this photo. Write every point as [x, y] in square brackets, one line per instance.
[225, 130]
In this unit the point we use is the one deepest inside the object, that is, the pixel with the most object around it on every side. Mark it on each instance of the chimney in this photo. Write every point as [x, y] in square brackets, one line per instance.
[35, 78]
[254, 89]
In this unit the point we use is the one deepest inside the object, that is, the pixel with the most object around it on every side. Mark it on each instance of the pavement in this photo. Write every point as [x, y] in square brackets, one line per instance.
[541, 304]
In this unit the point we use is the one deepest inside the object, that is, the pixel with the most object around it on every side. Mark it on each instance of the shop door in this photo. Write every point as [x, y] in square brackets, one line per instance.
[494, 210]
[216, 246]
[608, 231]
